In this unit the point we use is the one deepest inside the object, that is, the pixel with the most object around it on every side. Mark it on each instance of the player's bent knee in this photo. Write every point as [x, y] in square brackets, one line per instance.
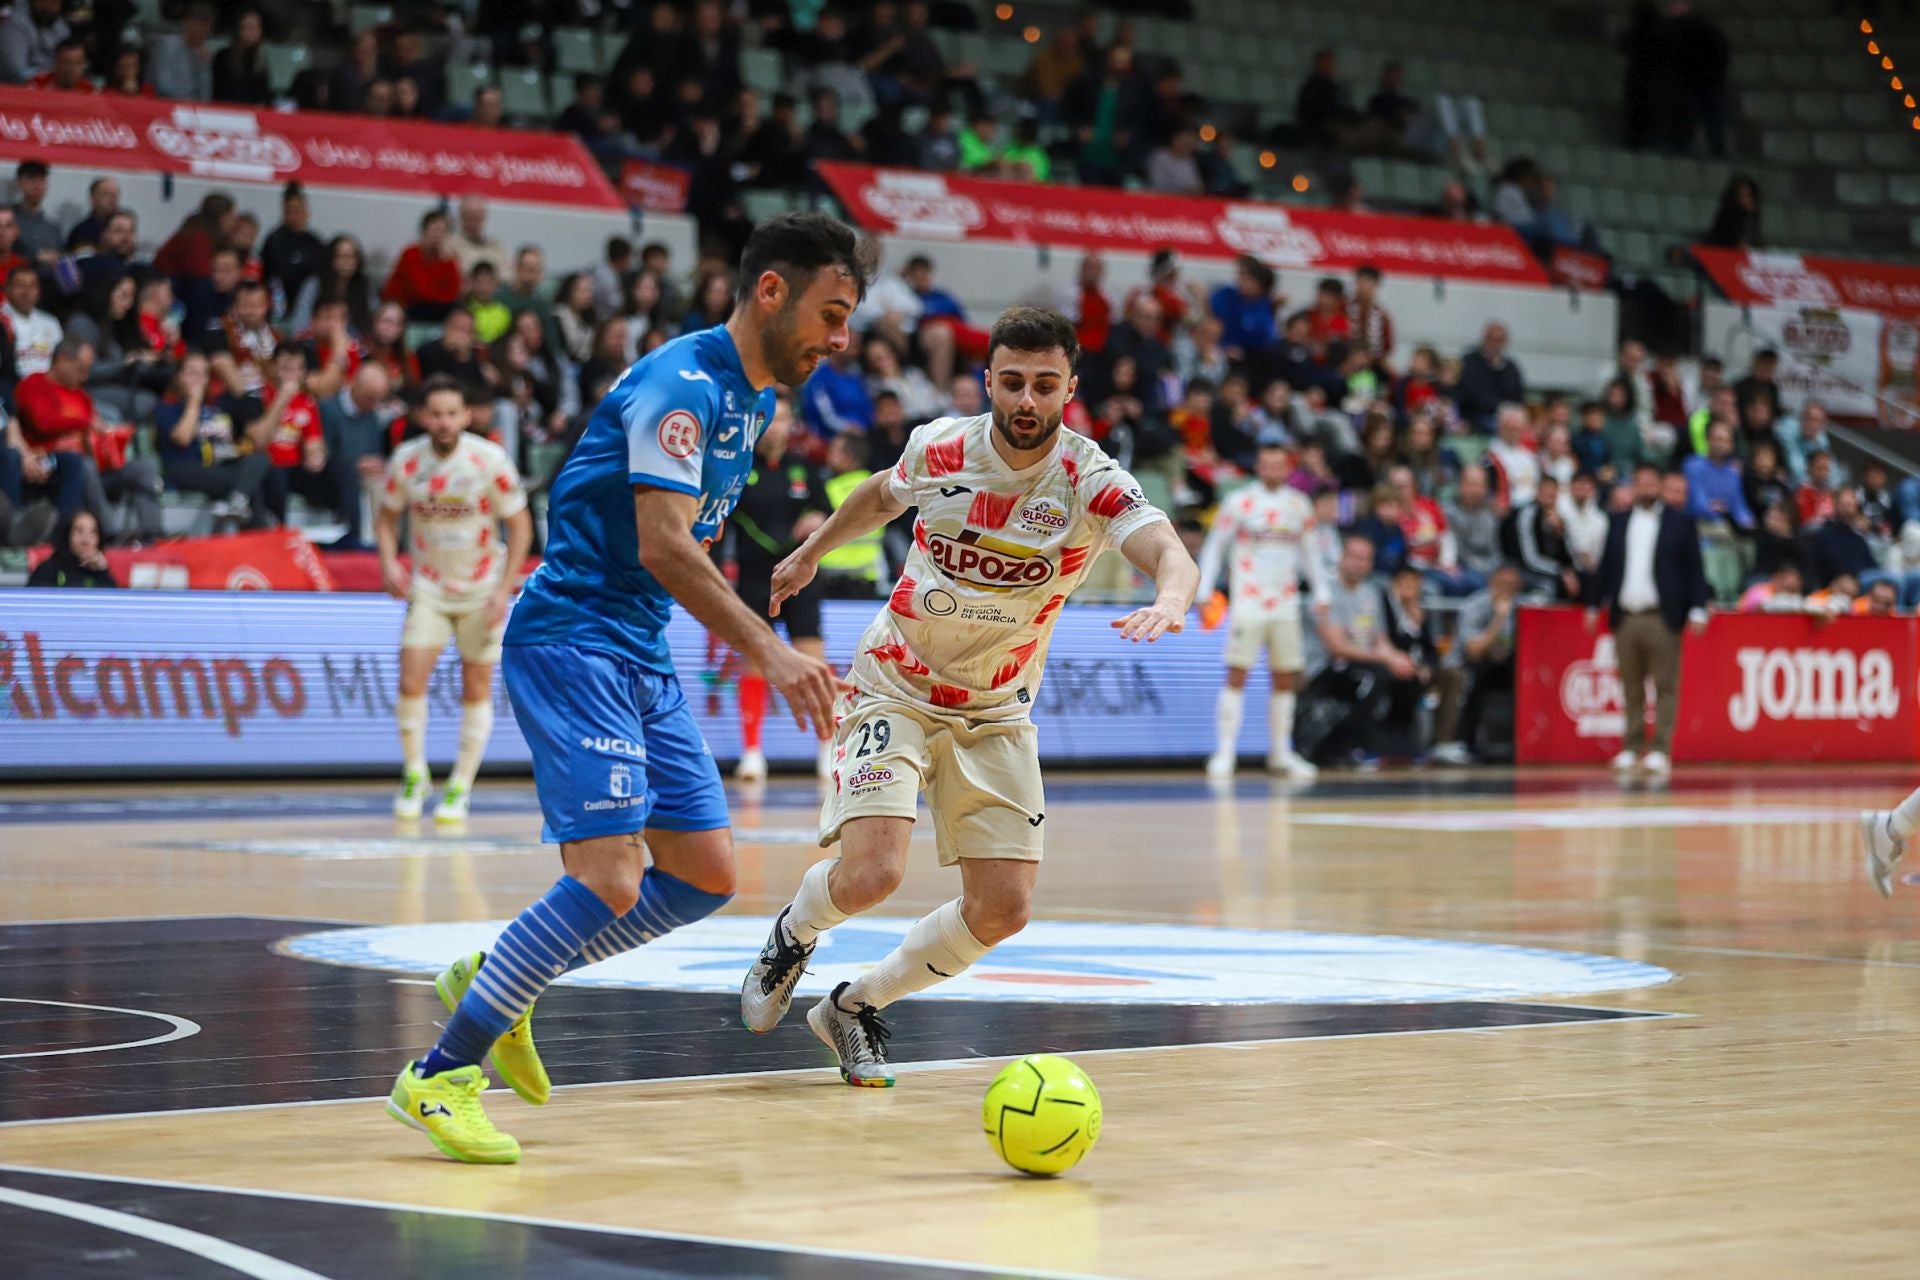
[704, 859]
[610, 866]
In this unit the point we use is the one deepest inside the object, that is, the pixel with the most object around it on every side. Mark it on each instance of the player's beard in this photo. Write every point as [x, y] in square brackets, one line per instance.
[789, 359]
[1038, 439]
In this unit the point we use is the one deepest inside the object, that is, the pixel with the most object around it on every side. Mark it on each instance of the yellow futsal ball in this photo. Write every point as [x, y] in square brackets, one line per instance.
[1042, 1114]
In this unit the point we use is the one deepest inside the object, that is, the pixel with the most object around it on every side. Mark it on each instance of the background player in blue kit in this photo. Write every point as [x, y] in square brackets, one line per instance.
[619, 764]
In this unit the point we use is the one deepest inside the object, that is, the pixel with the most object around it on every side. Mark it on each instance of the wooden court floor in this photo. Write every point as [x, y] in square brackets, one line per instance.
[1495, 1098]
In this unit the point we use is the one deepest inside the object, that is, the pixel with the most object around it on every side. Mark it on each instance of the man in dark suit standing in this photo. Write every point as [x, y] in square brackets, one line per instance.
[1651, 584]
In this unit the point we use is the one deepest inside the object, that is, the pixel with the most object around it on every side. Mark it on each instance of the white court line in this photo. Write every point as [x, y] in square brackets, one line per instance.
[222, 1252]
[931, 1065]
[188, 915]
[182, 1028]
[528, 1220]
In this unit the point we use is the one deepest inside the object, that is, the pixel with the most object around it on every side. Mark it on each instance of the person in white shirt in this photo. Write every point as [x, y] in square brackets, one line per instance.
[1518, 466]
[456, 490]
[1263, 537]
[1013, 510]
[1586, 524]
[35, 333]
[1652, 586]
[471, 244]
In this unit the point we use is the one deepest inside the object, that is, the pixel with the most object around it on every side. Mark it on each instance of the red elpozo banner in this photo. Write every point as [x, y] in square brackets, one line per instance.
[1754, 277]
[239, 144]
[947, 206]
[265, 560]
[1754, 687]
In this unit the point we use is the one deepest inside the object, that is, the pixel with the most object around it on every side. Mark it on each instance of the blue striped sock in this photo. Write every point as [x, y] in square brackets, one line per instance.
[532, 951]
[666, 903]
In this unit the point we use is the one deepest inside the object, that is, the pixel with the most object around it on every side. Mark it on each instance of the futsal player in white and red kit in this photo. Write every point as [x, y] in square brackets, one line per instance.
[456, 490]
[1262, 535]
[1013, 511]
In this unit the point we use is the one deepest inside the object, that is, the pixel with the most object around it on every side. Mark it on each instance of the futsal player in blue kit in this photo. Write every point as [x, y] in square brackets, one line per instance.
[619, 764]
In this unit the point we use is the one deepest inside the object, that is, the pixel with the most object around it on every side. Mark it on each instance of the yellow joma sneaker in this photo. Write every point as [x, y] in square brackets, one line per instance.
[447, 1109]
[514, 1055]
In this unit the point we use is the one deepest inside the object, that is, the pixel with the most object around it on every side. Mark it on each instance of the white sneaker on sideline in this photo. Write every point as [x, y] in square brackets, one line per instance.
[1884, 849]
[752, 766]
[1656, 762]
[1221, 764]
[1451, 753]
[1297, 767]
[411, 800]
[453, 804]
[1626, 760]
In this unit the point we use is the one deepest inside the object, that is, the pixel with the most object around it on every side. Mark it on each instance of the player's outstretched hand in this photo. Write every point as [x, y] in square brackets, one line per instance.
[809, 686]
[1149, 623]
[790, 577]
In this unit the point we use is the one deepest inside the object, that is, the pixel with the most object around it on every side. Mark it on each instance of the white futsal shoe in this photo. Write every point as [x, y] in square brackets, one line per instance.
[452, 808]
[1626, 761]
[858, 1037]
[1656, 763]
[411, 799]
[752, 766]
[1293, 766]
[1221, 764]
[1884, 849]
[767, 992]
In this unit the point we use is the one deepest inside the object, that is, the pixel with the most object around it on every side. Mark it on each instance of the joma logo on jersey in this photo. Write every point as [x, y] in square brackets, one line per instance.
[988, 562]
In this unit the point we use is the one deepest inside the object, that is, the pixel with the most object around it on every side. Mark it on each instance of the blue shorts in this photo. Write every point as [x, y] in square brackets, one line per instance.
[615, 747]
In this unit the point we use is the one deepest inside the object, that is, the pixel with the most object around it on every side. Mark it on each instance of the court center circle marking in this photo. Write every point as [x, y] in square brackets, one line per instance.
[1057, 961]
[180, 1029]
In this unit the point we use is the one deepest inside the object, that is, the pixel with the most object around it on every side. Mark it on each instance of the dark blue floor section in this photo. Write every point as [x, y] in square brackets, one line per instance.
[278, 1030]
[357, 1242]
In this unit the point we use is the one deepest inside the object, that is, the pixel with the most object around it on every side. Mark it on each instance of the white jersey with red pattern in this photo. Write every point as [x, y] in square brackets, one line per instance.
[454, 506]
[996, 552]
[1261, 536]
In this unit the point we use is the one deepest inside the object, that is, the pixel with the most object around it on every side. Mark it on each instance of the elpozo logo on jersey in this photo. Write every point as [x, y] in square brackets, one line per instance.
[981, 561]
[1057, 961]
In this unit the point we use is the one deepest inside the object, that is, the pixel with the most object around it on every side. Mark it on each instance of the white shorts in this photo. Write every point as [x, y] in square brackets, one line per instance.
[432, 621]
[1283, 638]
[982, 780]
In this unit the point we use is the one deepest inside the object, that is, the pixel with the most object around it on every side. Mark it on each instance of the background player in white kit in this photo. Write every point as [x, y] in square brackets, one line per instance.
[456, 489]
[1263, 535]
[1012, 513]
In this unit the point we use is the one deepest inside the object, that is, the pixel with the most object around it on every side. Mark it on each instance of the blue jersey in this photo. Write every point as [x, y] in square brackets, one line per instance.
[684, 418]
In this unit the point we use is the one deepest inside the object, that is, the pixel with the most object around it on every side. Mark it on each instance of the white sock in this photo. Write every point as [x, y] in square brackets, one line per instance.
[938, 947]
[813, 910]
[1227, 712]
[1280, 723]
[1906, 817]
[476, 726]
[411, 713]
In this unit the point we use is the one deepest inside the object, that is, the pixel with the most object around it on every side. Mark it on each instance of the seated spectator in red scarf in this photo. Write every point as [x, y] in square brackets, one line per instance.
[241, 348]
[245, 241]
[426, 278]
[69, 73]
[155, 311]
[1419, 386]
[387, 347]
[285, 425]
[335, 356]
[1371, 323]
[1815, 498]
[1329, 317]
[1193, 421]
[188, 253]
